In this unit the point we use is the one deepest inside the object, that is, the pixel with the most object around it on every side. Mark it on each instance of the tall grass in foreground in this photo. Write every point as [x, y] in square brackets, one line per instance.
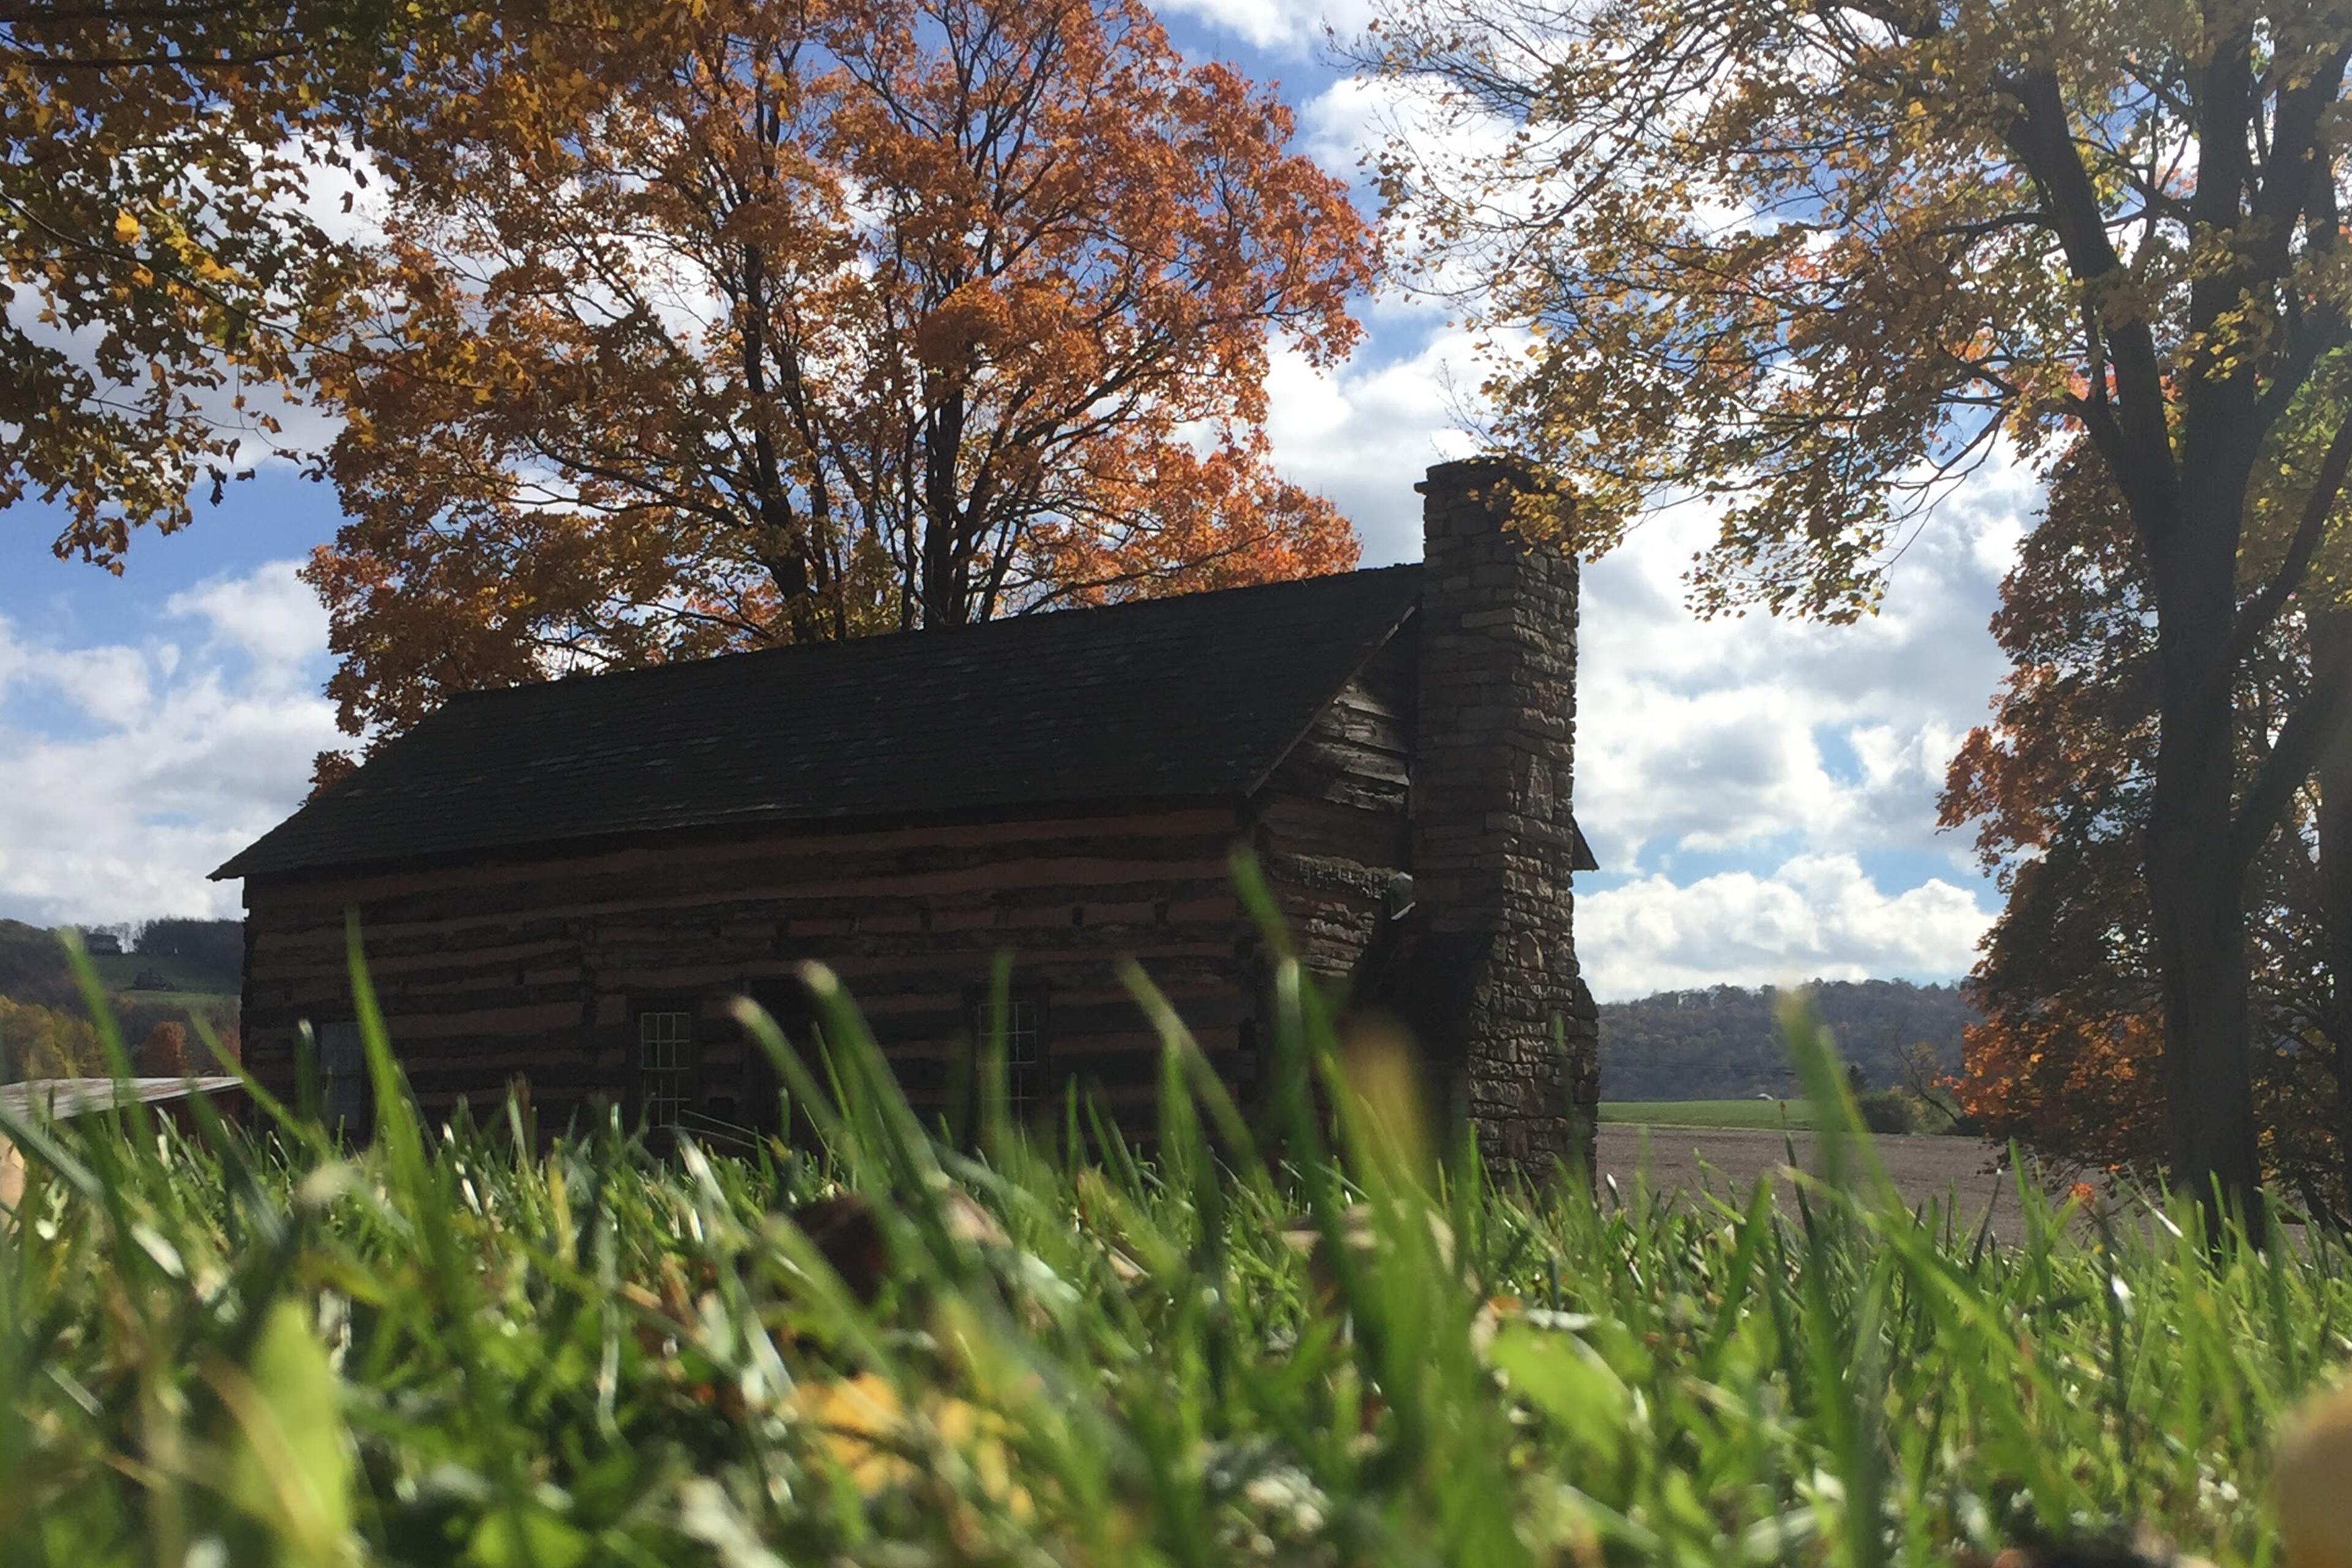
[451, 1346]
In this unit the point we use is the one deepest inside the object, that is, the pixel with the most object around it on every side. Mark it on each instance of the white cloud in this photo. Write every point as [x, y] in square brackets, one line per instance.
[1712, 736]
[1363, 433]
[1362, 113]
[1817, 917]
[107, 684]
[1279, 27]
[271, 612]
[127, 771]
[1447, 142]
[1339, 125]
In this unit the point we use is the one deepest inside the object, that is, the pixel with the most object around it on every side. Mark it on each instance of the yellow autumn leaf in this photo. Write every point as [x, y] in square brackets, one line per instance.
[2313, 1475]
[855, 1414]
[126, 228]
[867, 1430]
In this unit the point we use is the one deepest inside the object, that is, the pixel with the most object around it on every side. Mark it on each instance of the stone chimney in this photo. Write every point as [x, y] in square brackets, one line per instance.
[1492, 842]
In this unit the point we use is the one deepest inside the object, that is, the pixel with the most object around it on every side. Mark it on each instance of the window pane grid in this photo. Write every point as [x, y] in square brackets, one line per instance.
[664, 1066]
[1025, 1048]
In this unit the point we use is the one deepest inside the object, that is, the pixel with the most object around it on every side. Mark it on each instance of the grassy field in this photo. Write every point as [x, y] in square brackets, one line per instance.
[190, 1001]
[457, 1346]
[1762, 1115]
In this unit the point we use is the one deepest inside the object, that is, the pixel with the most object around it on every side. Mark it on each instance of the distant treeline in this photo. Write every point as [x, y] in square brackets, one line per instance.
[217, 944]
[1725, 1043]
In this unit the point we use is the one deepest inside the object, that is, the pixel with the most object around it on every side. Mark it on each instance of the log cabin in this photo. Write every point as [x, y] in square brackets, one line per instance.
[566, 884]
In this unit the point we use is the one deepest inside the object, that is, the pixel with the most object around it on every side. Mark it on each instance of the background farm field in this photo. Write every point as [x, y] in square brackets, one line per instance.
[1770, 1115]
[1967, 1176]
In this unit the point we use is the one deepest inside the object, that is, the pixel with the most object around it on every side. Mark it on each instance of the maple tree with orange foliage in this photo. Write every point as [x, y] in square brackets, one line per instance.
[770, 324]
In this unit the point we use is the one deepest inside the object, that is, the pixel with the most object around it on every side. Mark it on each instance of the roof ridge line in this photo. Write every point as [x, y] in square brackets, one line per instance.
[995, 623]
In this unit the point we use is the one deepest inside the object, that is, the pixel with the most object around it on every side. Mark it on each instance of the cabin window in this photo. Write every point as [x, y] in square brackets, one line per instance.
[342, 1078]
[665, 1065]
[1025, 1043]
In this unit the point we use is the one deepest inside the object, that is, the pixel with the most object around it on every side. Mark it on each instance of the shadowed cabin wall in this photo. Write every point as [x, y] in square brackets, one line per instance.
[533, 968]
[1333, 823]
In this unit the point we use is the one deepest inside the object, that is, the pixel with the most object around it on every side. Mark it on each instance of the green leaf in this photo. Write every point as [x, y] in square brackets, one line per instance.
[290, 1465]
[1566, 1379]
[525, 1535]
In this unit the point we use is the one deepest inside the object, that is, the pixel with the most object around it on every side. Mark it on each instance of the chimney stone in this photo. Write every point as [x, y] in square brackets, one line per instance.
[1494, 841]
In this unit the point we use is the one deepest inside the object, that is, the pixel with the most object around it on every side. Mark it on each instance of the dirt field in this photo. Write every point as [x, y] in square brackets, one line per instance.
[1685, 1158]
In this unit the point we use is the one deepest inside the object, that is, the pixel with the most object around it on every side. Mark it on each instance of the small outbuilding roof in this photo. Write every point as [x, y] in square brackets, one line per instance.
[1192, 697]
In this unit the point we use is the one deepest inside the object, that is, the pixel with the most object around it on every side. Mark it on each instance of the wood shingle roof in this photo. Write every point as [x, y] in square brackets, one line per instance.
[1194, 697]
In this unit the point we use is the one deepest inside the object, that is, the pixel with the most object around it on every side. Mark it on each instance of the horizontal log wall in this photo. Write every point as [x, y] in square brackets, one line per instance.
[533, 968]
[1334, 823]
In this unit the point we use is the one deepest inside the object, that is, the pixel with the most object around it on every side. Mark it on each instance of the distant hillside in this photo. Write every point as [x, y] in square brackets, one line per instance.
[1724, 1044]
[33, 967]
[189, 958]
[177, 971]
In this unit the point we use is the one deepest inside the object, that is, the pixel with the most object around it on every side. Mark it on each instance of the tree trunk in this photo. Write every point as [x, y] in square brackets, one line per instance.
[2196, 889]
[947, 563]
[2331, 642]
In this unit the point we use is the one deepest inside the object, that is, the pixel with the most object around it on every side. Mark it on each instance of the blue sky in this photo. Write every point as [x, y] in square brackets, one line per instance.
[1760, 793]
